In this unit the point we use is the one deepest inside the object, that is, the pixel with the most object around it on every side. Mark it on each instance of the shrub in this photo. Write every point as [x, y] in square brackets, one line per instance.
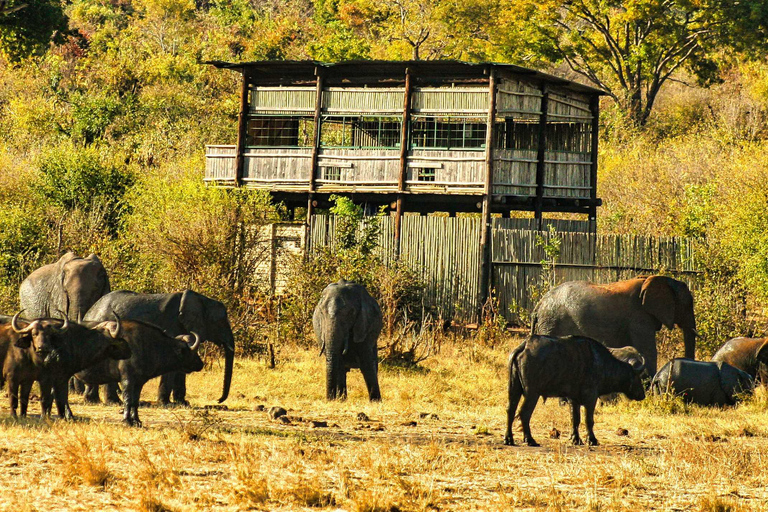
[74, 178]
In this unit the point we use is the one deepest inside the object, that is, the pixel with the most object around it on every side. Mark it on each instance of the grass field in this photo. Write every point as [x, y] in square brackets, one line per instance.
[434, 443]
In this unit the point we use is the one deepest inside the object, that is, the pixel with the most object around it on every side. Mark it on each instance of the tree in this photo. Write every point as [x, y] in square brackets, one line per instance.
[28, 26]
[632, 48]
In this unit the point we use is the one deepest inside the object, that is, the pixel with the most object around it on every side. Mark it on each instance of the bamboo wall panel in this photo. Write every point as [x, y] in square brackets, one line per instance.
[372, 167]
[530, 224]
[568, 107]
[517, 256]
[220, 163]
[340, 100]
[446, 254]
[300, 100]
[514, 172]
[452, 168]
[518, 99]
[277, 165]
[567, 174]
[449, 100]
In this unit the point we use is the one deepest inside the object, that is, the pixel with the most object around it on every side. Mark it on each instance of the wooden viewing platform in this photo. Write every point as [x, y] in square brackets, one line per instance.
[419, 136]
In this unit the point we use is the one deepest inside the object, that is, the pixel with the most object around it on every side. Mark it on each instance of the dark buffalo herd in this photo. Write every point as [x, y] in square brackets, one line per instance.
[587, 342]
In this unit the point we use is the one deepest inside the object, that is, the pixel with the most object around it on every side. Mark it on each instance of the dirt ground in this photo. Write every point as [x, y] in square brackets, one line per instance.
[434, 443]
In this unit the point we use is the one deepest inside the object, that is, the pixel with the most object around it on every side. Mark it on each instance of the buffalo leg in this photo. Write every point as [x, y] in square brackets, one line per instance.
[575, 421]
[61, 393]
[128, 401]
[13, 395]
[46, 398]
[135, 397]
[76, 385]
[515, 393]
[590, 419]
[526, 411]
[26, 389]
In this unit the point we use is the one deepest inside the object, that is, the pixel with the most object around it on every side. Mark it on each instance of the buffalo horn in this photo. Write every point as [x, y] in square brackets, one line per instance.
[118, 329]
[64, 327]
[15, 324]
[195, 343]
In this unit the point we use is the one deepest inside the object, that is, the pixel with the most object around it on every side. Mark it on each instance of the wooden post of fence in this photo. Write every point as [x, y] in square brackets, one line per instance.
[403, 160]
[242, 128]
[272, 258]
[540, 157]
[314, 166]
[485, 228]
[594, 107]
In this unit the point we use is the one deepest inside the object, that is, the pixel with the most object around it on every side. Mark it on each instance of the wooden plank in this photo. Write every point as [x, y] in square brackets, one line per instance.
[242, 125]
[485, 233]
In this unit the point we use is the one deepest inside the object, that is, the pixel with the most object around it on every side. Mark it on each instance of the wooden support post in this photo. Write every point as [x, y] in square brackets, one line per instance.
[404, 143]
[540, 157]
[485, 227]
[315, 154]
[594, 107]
[242, 128]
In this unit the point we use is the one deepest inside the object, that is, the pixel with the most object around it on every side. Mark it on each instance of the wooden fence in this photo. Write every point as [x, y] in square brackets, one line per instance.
[446, 254]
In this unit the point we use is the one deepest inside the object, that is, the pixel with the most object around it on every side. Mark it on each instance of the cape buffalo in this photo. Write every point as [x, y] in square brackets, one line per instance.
[574, 367]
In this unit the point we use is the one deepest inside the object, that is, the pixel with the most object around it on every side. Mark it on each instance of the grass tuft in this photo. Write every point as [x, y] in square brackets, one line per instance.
[83, 462]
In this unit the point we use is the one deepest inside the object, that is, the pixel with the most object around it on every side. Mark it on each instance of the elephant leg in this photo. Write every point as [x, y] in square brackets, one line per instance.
[526, 411]
[111, 395]
[644, 340]
[76, 386]
[575, 421]
[26, 389]
[91, 394]
[370, 370]
[589, 408]
[179, 380]
[165, 388]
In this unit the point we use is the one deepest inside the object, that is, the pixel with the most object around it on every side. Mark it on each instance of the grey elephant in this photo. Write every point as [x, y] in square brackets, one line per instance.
[631, 310]
[702, 382]
[177, 314]
[746, 354]
[70, 286]
[347, 323]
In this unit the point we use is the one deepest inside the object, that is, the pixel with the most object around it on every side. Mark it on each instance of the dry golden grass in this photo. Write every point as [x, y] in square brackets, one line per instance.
[674, 458]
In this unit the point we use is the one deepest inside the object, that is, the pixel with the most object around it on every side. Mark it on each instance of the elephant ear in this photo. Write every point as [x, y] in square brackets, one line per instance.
[368, 319]
[658, 300]
[733, 381]
[761, 358]
[190, 306]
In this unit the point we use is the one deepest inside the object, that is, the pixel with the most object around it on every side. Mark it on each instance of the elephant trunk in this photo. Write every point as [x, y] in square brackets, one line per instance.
[332, 372]
[337, 339]
[229, 361]
[689, 341]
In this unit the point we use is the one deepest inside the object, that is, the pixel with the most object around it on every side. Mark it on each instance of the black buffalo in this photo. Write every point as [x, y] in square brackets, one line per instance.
[153, 353]
[577, 368]
[51, 351]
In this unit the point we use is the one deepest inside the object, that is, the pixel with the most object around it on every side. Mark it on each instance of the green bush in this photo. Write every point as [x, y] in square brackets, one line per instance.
[84, 178]
[24, 241]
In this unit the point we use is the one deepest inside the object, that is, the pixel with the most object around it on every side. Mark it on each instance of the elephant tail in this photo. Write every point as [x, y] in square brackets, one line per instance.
[534, 321]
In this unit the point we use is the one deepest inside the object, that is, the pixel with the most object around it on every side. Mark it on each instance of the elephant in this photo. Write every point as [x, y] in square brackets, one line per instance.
[347, 323]
[702, 382]
[613, 313]
[176, 313]
[746, 354]
[68, 287]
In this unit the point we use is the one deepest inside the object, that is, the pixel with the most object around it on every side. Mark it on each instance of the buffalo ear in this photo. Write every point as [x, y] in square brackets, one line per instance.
[659, 300]
[23, 341]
